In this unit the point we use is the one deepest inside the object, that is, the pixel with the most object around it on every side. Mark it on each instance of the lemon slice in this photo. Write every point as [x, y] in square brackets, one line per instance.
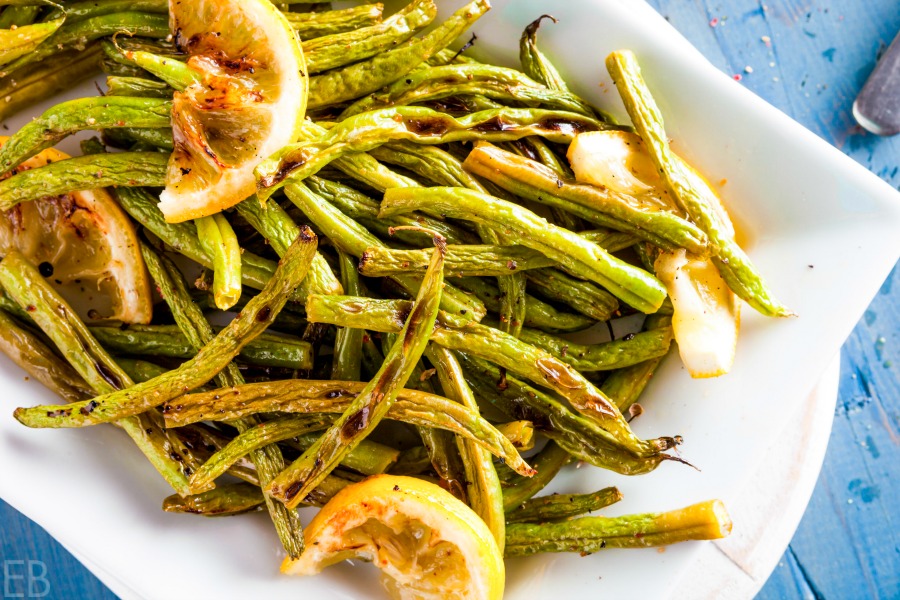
[613, 159]
[82, 243]
[707, 314]
[428, 544]
[249, 101]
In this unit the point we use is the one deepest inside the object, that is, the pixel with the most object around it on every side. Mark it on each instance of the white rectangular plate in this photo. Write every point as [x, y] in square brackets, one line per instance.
[823, 230]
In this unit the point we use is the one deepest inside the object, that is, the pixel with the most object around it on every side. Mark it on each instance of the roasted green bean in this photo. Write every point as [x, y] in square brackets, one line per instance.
[602, 206]
[57, 319]
[167, 340]
[310, 396]
[373, 403]
[339, 49]
[365, 131]
[211, 359]
[704, 521]
[353, 81]
[692, 193]
[354, 239]
[84, 173]
[562, 506]
[634, 286]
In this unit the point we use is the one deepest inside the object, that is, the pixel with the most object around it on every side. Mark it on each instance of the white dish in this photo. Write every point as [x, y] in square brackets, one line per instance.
[823, 231]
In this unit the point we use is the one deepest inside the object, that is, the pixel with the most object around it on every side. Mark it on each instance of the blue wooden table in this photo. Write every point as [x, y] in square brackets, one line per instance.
[808, 58]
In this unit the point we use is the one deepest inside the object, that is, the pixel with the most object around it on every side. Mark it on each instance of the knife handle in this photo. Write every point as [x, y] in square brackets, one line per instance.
[877, 107]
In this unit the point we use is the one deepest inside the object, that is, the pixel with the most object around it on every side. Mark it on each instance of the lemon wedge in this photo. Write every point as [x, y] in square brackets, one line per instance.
[248, 102]
[707, 314]
[613, 159]
[428, 544]
[81, 242]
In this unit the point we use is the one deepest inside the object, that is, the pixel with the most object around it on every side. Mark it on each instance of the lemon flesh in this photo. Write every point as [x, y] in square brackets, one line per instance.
[249, 102]
[427, 543]
[86, 247]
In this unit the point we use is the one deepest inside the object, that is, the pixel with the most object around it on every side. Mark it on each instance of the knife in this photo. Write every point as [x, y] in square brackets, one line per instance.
[877, 107]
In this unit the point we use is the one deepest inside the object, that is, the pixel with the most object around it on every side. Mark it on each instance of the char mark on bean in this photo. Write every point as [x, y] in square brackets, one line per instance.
[426, 126]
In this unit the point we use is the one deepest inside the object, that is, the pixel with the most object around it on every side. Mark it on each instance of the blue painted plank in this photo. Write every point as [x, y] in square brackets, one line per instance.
[34, 565]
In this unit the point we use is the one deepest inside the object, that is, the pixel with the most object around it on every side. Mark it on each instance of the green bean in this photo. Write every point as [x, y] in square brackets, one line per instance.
[31, 354]
[353, 239]
[252, 439]
[534, 63]
[412, 461]
[347, 363]
[476, 260]
[77, 34]
[624, 386]
[18, 42]
[57, 319]
[368, 458]
[237, 498]
[290, 320]
[224, 501]
[617, 354]
[84, 173]
[490, 81]
[76, 11]
[279, 229]
[366, 131]
[602, 206]
[168, 340]
[703, 521]
[340, 49]
[578, 435]
[140, 139]
[161, 62]
[444, 455]
[483, 486]
[634, 286]
[316, 24]
[137, 87]
[513, 303]
[27, 86]
[547, 463]
[372, 357]
[311, 396]
[219, 241]
[443, 168]
[19, 16]
[359, 79]
[182, 237]
[211, 359]
[693, 194]
[539, 151]
[140, 370]
[562, 506]
[363, 209]
[268, 461]
[500, 348]
[538, 314]
[373, 403]
[583, 296]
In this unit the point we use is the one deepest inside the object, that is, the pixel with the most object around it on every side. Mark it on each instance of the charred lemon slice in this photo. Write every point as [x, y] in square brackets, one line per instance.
[248, 101]
[83, 244]
[428, 544]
